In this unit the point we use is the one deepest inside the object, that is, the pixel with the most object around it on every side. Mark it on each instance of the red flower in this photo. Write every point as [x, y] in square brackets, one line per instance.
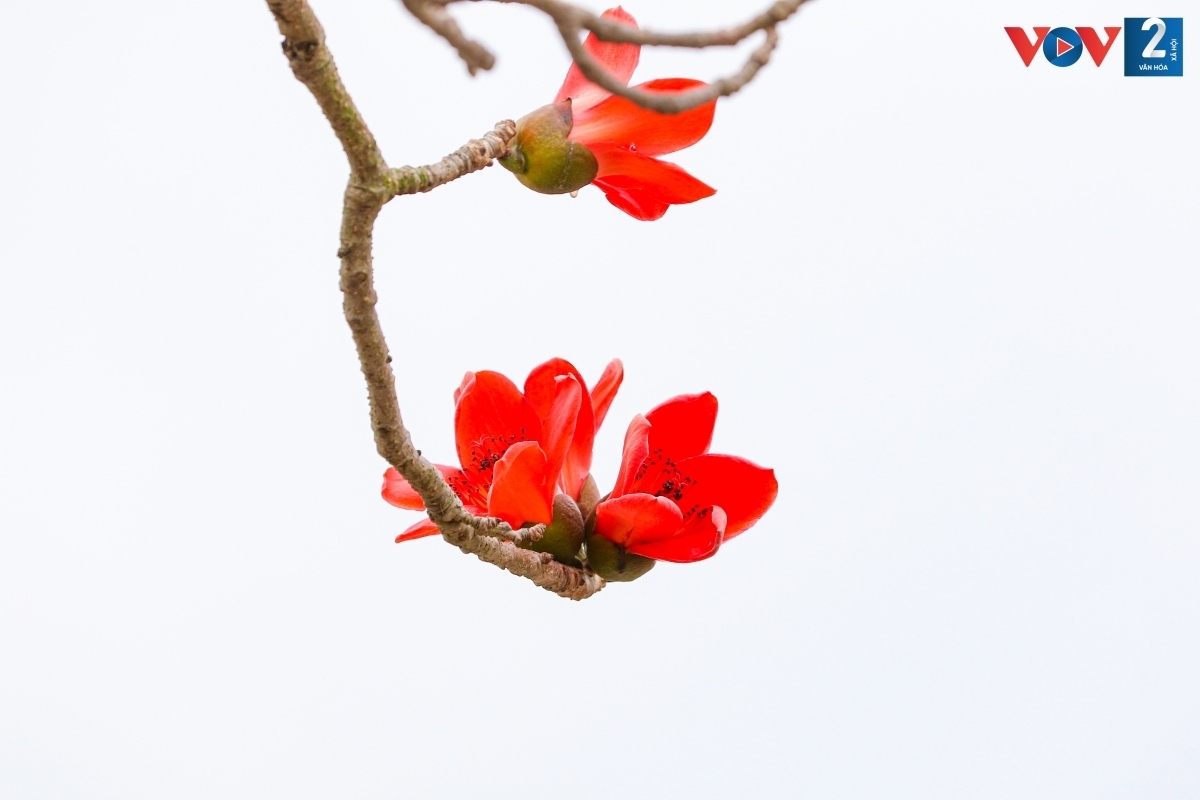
[619, 139]
[517, 450]
[675, 501]
[625, 137]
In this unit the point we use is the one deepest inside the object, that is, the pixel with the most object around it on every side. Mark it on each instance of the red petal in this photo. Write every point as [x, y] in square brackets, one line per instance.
[424, 528]
[467, 380]
[605, 390]
[619, 60]
[399, 492]
[623, 123]
[683, 426]
[637, 518]
[699, 538]
[644, 187]
[637, 447]
[634, 202]
[491, 415]
[668, 181]
[519, 492]
[539, 390]
[558, 429]
[742, 488]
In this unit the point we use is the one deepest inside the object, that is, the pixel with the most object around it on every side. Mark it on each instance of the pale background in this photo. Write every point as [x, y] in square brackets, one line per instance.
[953, 301]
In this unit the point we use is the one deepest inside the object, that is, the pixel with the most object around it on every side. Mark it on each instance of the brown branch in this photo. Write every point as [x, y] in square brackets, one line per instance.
[501, 530]
[572, 21]
[669, 103]
[372, 184]
[312, 64]
[474, 155]
[475, 55]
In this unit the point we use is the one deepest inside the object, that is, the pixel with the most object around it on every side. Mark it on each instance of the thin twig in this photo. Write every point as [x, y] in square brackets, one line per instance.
[572, 21]
[475, 55]
[474, 155]
[371, 185]
[500, 529]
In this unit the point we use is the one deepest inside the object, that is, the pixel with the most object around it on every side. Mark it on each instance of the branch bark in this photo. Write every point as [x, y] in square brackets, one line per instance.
[372, 184]
[572, 21]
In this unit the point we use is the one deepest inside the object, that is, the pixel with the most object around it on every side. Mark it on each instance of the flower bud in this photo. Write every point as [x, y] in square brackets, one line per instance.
[563, 538]
[611, 562]
[543, 159]
[589, 497]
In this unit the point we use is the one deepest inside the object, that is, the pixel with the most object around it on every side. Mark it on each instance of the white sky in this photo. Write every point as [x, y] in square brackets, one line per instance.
[952, 300]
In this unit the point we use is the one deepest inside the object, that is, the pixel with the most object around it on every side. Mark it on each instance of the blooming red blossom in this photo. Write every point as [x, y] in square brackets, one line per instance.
[517, 449]
[589, 135]
[673, 500]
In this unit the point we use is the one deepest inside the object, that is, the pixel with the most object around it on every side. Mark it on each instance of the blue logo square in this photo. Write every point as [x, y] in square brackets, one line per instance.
[1153, 46]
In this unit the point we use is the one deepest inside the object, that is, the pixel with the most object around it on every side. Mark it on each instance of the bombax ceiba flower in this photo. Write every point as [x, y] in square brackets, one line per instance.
[526, 459]
[590, 136]
[525, 456]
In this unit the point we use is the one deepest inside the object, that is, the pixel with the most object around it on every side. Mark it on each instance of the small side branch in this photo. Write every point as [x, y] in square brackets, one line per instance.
[372, 184]
[474, 155]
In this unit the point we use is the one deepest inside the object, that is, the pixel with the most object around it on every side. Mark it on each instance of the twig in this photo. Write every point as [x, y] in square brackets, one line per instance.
[371, 185]
[500, 529]
[438, 19]
[572, 21]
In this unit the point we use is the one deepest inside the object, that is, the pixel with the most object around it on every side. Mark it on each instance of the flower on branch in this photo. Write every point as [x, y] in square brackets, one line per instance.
[673, 500]
[590, 136]
[519, 450]
[526, 459]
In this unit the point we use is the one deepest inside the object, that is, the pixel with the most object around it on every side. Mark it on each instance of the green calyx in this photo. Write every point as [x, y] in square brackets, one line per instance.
[589, 497]
[563, 537]
[543, 159]
[612, 562]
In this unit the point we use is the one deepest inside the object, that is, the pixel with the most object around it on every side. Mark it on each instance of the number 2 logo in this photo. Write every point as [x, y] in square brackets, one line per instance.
[1153, 46]
[1151, 50]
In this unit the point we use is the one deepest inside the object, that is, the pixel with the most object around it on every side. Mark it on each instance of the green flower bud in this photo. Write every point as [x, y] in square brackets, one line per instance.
[589, 497]
[611, 562]
[543, 159]
[563, 538]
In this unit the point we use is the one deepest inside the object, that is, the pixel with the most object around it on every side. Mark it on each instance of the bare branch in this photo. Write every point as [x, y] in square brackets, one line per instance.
[474, 155]
[312, 64]
[499, 529]
[371, 185]
[572, 21]
[439, 20]
[669, 103]
[610, 31]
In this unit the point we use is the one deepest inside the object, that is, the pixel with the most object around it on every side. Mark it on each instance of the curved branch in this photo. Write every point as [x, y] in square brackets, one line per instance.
[669, 103]
[371, 185]
[312, 64]
[572, 21]
[434, 15]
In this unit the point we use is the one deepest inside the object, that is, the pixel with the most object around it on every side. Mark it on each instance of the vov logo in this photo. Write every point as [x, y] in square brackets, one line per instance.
[1153, 45]
[1062, 47]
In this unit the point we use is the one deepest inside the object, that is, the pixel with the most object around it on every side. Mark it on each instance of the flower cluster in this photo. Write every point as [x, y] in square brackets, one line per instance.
[590, 136]
[526, 459]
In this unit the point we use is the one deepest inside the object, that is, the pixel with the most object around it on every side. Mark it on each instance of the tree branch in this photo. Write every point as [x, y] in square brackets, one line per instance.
[475, 55]
[572, 21]
[371, 185]
[312, 64]
[474, 155]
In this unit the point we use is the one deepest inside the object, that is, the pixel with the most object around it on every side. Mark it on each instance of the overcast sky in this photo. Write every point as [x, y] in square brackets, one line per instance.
[950, 299]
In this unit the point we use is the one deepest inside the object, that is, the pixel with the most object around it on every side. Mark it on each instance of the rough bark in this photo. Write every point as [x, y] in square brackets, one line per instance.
[372, 184]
